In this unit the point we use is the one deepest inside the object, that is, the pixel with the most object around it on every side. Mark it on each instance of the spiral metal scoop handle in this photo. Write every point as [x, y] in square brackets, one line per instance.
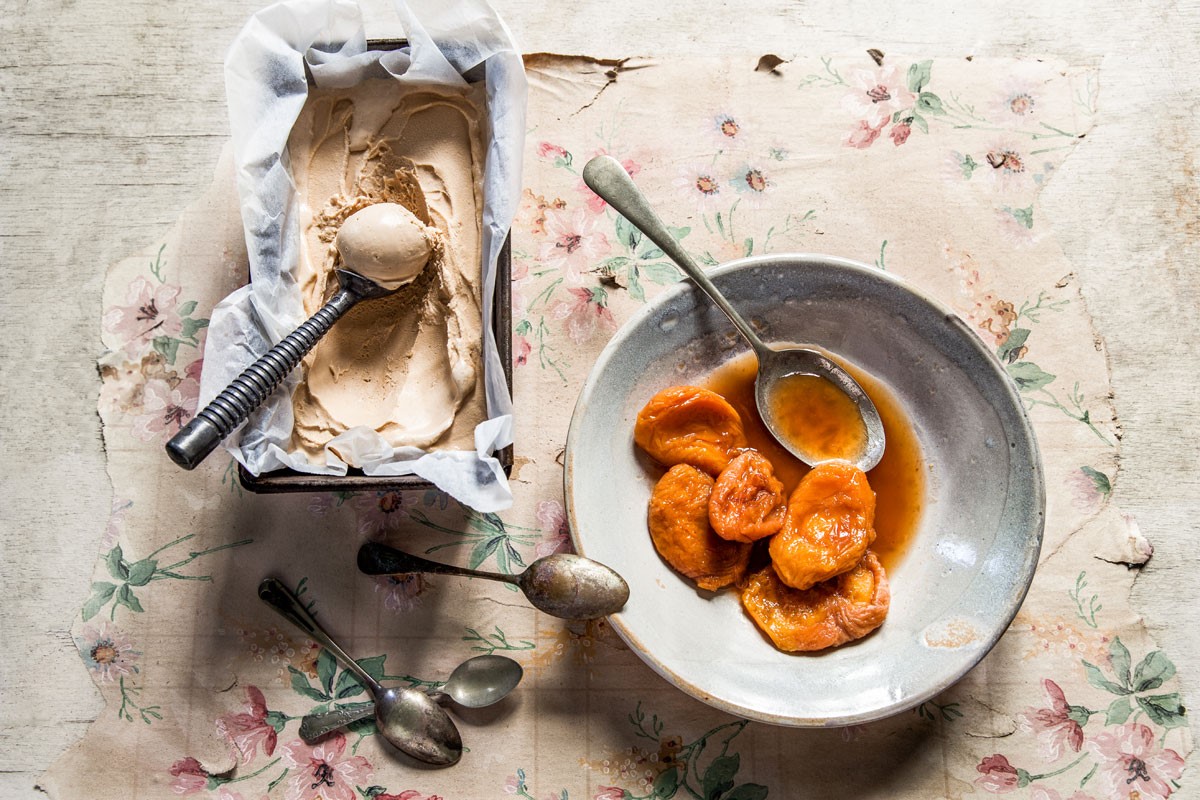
[254, 385]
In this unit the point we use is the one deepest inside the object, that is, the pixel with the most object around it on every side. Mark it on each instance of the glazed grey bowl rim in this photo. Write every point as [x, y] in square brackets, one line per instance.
[1024, 429]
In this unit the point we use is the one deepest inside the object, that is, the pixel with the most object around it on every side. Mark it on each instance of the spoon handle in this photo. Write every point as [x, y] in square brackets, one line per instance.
[279, 597]
[314, 726]
[379, 559]
[607, 178]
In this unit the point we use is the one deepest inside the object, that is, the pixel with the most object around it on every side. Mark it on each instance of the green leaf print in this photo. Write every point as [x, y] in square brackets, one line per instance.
[168, 347]
[102, 592]
[115, 561]
[661, 273]
[1008, 352]
[1096, 678]
[1165, 709]
[667, 783]
[126, 597]
[628, 235]
[191, 327]
[1118, 655]
[1153, 671]
[185, 309]
[919, 76]
[326, 668]
[1118, 711]
[347, 686]
[140, 572]
[930, 103]
[1028, 376]
[301, 686]
[718, 778]
[1099, 480]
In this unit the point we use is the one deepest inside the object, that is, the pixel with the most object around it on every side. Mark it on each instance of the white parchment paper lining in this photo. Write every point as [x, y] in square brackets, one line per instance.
[266, 87]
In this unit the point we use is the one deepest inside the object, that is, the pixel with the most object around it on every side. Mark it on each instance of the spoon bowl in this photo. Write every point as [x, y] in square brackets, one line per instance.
[562, 585]
[607, 178]
[482, 681]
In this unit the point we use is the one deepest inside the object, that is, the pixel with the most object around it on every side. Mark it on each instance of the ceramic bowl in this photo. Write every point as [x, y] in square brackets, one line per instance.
[966, 569]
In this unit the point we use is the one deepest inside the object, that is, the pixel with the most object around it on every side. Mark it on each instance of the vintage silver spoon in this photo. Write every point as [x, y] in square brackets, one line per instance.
[562, 585]
[475, 683]
[607, 178]
[381, 248]
[409, 719]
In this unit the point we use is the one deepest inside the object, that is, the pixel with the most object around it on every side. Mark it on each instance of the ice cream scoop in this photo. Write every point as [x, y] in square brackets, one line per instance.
[386, 243]
[388, 248]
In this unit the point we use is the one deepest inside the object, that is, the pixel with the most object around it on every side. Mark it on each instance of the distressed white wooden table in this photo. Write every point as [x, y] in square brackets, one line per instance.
[112, 115]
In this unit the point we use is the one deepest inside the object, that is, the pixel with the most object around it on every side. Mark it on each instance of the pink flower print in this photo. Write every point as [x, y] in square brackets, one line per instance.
[1016, 103]
[1008, 166]
[107, 652]
[595, 203]
[553, 519]
[408, 794]
[403, 592]
[584, 315]
[609, 793]
[550, 150]
[574, 244]
[379, 511]
[247, 730]
[321, 772]
[194, 369]
[165, 408]
[148, 312]
[1133, 765]
[116, 521]
[190, 777]
[727, 130]
[700, 185]
[862, 135]
[998, 776]
[1086, 484]
[1056, 727]
[522, 349]
[900, 132]
[878, 94]
[753, 183]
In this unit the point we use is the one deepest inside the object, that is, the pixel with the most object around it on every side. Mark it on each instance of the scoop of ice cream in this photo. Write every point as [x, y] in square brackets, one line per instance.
[386, 243]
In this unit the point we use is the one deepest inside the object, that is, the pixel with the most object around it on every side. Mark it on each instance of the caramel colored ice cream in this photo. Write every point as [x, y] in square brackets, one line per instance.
[386, 243]
[407, 365]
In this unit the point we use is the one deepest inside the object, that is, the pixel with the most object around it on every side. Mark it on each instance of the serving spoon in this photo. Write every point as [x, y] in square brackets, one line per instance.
[607, 178]
[407, 718]
[562, 585]
[475, 683]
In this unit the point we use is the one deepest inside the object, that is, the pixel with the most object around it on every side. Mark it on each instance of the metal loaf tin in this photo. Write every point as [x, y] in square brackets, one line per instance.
[288, 480]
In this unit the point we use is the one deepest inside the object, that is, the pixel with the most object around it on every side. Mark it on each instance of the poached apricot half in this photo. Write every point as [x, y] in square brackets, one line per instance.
[829, 614]
[678, 521]
[748, 502]
[829, 525]
[690, 425]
